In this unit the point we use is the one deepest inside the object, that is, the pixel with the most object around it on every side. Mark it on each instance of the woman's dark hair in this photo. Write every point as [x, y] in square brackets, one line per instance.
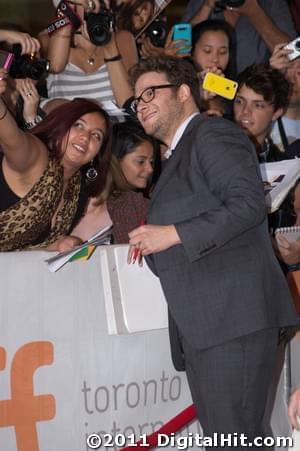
[126, 12]
[127, 136]
[53, 129]
[218, 25]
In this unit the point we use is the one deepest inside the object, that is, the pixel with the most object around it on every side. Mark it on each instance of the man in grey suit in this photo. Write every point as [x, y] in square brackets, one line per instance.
[207, 239]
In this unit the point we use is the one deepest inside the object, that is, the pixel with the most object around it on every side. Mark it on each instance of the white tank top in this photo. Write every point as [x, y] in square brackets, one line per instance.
[74, 82]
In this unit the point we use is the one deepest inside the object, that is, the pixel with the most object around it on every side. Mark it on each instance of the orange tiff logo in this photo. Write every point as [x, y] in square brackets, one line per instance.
[24, 409]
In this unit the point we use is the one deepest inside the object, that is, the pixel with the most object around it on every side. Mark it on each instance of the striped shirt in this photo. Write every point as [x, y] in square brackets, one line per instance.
[74, 82]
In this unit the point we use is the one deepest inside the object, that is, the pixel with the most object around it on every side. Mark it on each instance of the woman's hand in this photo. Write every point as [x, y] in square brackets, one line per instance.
[28, 43]
[65, 244]
[3, 84]
[171, 48]
[28, 92]
[207, 95]
[288, 251]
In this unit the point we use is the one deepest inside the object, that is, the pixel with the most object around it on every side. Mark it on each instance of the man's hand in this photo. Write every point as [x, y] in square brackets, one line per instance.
[150, 239]
[294, 409]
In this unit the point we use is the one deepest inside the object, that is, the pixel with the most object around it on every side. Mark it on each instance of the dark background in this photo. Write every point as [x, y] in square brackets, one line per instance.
[34, 15]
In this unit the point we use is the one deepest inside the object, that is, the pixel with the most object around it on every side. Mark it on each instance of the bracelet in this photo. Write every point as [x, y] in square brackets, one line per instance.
[294, 267]
[113, 58]
[5, 112]
[30, 124]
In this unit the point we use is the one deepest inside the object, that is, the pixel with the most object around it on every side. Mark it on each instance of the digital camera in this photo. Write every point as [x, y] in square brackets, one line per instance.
[28, 66]
[295, 46]
[100, 26]
[221, 4]
[157, 32]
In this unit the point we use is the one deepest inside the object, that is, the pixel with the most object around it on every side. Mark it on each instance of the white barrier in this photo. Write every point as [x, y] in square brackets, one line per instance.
[62, 376]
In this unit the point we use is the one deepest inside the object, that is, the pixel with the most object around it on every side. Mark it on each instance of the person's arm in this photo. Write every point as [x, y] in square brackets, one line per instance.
[271, 25]
[228, 164]
[203, 12]
[24, 153]
[122, 52]
[28, 43]
[59, 45]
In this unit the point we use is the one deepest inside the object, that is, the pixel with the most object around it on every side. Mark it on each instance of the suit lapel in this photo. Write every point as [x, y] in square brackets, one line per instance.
[175, 158]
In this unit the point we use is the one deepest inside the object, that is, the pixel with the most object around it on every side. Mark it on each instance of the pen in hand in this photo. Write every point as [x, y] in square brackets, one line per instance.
[137, 251]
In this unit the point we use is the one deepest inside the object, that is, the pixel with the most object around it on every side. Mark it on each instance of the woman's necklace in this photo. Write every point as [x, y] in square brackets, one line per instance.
[91, 58]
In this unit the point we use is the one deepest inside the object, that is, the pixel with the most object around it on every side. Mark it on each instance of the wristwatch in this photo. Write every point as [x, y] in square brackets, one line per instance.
[30, 124]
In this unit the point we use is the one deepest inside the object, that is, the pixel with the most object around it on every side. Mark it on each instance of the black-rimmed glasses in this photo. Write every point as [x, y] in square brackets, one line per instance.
[148, 94]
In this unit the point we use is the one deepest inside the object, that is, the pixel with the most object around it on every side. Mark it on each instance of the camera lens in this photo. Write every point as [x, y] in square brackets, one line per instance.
[39, 69]
[157, 32]
[99, 27]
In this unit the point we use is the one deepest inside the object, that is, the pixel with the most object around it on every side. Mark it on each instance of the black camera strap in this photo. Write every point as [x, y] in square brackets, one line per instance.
[65, 16]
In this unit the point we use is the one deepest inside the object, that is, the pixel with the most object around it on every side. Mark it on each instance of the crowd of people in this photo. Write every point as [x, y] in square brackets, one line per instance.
[100, 127]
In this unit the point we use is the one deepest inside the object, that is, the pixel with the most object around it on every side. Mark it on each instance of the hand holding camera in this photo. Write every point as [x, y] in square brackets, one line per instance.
[280, 57]
[28, 44]
[100, 25]
[3, 75]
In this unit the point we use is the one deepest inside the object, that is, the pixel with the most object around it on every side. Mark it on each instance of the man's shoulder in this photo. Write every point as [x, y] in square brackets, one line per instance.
[213, 126]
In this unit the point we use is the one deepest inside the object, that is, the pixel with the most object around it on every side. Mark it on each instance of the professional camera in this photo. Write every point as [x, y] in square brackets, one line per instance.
[157, 32]
[28, 66]
[221, 4]
[100, 25]
[295, 46]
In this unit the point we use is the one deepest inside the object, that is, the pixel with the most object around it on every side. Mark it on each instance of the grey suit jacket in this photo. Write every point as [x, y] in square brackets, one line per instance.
[223, 281]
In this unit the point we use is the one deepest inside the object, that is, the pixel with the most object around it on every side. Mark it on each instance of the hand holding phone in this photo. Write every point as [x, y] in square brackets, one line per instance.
[221, 86]
[183, 32]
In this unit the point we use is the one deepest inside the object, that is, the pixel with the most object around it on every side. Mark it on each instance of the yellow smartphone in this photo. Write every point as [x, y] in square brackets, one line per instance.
[221, 86]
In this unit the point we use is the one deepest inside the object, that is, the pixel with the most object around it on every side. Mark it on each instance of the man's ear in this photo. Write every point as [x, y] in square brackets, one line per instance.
[277, 114]
[184, 92]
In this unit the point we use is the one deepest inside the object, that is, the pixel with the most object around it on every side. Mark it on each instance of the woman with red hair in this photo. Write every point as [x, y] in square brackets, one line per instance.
[46, 176]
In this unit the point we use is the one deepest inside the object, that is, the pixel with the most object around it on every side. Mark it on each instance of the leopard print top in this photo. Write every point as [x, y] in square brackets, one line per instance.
[24, 222]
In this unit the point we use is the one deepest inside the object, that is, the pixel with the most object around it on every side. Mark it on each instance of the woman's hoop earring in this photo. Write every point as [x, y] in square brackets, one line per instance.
[91, 173]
